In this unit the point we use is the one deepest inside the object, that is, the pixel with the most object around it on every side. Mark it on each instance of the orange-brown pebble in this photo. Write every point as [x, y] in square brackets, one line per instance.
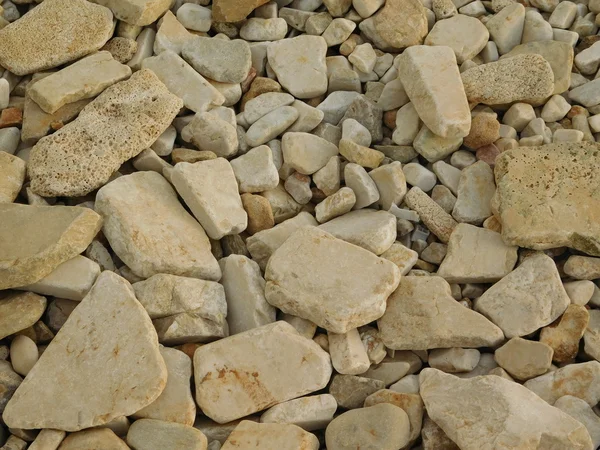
[488, 154]
[485, 129]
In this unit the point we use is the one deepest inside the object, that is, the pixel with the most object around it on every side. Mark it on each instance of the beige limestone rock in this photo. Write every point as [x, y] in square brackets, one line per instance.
[335, 296]
[520, 420]
[256, 369]
[196, 326]
[540, 190]
[98, 438]
[310, 413]
[19, 310]
[391, 184]
[528, 298]
[306, 153]
[103, 340]
[454, 360]
[82, 155]
[260, 213]
[161, 237]
[579, 410]
[422, 314]
[209, 132]
[121, 48]
[84, 79]
[506, 27]
[433, 216]
[591, 338]
[434, 437]
[524, 359]
[234, 10]
[350, 391]
[361, 155]
[582, 267]
[564, 336]
[255, 170]
[136, 12]
[32, 43]
[171, 35]
[270, 436]
[465, 35]
[335, 205]
[432, 81]
[150, 434]
[348, 355]
[12, 176]
[210, 189]
[37, 239]
[48, 439]
[226, 61]
[475, 191]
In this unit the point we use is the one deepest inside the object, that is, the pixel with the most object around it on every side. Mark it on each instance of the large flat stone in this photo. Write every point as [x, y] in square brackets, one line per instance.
[336, 285]
[151, 232]
[106, 353]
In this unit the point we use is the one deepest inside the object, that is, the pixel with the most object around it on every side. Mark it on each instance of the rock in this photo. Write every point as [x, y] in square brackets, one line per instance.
[355, 300]
[419, 176]
[580, 292]
[410, 323]
[306, 153]
[308, 117]
[547, 176]
[432, 81]
[261, 367]
[255, 171]
[48, 439]
[195, 17]
[391, 184]
[234, 10]
[100, 336]
[328, 177]
[19, 310]
[522, 420]
[336, 104]
[522, 78]
[391, 370]
[161, 237]
[122, 49]
[591, 337]
[218, 59]
[198, 325]
[271, 125]
[581, 411]
[13, 171]
[258, 29]
[82, 155]
[98, 438]
[348, 355]
[361, 155]
[84, 28]
[335, 205]
[524, 359]
[475, 191]
[434, 437]
[23, 354]
[270, 436]
[260, 214]
[565, 335]
[465, 35]
[582, 267]
[263, 104]
[506, 27]
[37, 239]
[150, 434]
[351, 391]
[579, 380]
[433, 216]
[338, 31]
[408, 125]
[484, 131]
[9, 382]
[382, 426]
[368, 114]
[136, 12]
[171, 35]
[310, 413]
[210, 189]
[363, 186]
[433, 147]
[209, 132]
[454, 360]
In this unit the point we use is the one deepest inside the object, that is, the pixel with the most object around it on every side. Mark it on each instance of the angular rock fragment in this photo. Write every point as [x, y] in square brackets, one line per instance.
[209, 132]
[268, 436]
[524, 359]
[19, 310]
[136, 12]
[433, 216]
[563, 337]
[474, 194]
[12, 176]
[234, 10]
[306, 153]
[579, 410]
[196, 326]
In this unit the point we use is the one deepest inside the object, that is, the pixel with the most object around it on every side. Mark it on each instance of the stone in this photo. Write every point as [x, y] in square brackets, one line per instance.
[234, 10]
[522, 420]
[356, 132]
[308, 117]
[363, 186]
[350, 391]
[348, 355]
[310, 413]
[412, 323]
[417, 175]
[260, 368]
[579, 380]
[98, 438]
[264, 103]
[367, 113]
[433, 147]
[195, 17]
[122, 49]
[327, 179]
[433, 436]
[547, 176]
[255, 171]
[484, 131]
[335, 205]
[85, 28]
[210, 189]
[244, 287]
[565, 335]
[427, 72]
[408, 124]
[580, 292]
[37, 239]
[338, 31]
[183, 81]
[161, 237]
[361, 155]
[13, 171]
[82, 155]
[391, 184]
[433, 216]
[581, 411]
[150, 434]
[258, 29]
[195, 326]
[454, 360]
[111, 326]
[354, 302]
[506, 27]
[391, 370]
[209, 132]
[19, 311]
[283, 204]
[465, 35]
[521, 78]
[299, 64]
[271, 125]
[524, 359]
[306, 153]
[171, 35]
[477, 255]
[474, 194]
[582, 267]
[218, 59]
[337, 8]
[269, 436]
[48, 439]
[136, 12]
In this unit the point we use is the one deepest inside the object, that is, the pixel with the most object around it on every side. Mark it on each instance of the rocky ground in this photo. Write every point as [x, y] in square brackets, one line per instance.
[299, 225]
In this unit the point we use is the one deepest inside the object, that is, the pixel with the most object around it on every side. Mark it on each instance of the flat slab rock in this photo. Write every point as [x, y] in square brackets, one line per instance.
[121, 122]
[106, 352]
[541, 189]
[256, 369]
[330, 282]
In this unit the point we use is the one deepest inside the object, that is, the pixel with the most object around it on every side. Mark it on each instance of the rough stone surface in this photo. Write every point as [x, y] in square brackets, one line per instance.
[136, 12]
[12, 176]
[465, 35]
[234, 10]
[579, 410]
[564, 336]
[270, 436]
[218, 59]
[19, 310]
[474, 194]
[311, 413]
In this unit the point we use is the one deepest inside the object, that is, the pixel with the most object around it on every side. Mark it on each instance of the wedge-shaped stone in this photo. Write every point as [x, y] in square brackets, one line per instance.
[151, 232]
[521, 420]
[254, 370]
[210, 190]
[199, 325]
[432, 81]
[150, 434]
[19, 310]
[33, 43]
[306, 153]
[270, 436]
[422, 314]
[330, 282]
[137, 12]
[311, 413]
[84, 79]
[465, 35]
[107, 353]
[541, 189]
[37, 239]
[121, 122]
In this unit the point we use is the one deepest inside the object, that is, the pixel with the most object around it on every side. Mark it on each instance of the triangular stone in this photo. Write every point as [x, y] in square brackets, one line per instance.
[103, 363]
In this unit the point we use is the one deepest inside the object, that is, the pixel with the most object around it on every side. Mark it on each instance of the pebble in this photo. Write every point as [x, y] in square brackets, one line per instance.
[363, 186]
[338, 31]
[565, 335]
[465, 35]
[218, 59]
[150, 434]
[449, 175]
[271, 125]
[171, 35]
[306, 153]
[13, 171]
[327, 179]
[524, 359]
[195, 17]
[391, 184]
[580, 292]
[310, 413]
[408, 124]
[581, 411]
[264, 103]
[474, 194]
[121, 48]
[255, 171]
[270, 436]
[506, 27]
[433, 216]
[433, 147]
[98, 438]
[48, 440]
[23, 354]
[582, 267]
[417, 175]
[454, 360]
[256, 29]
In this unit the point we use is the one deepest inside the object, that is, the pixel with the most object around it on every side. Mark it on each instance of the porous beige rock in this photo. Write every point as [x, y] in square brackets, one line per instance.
[98, 438]
[564, 336]
[313, 412]
[422, 314]
[521, 419]
[256, 369]
[37, 239]
[103, 340]
[433, 216]
[270, 436]
[161, 237]
[12, 176]
[136, 12]
[32, 43]
[82, 155]
[485, 130]
[337, 297]
[121, 48]
[524, 359]
[540, 190]
[19, 310]
[150, 434]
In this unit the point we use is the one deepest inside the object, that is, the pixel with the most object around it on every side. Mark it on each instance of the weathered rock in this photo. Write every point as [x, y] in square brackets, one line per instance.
[433, 216]
[37, 239]
[465, 35]
[234, 10]
[335, 205]
[48, 439]
[422, 314]
[565, 335]
[136, 12]
[171, 35]
[196, 326]
[348, 354]
[260, 213]
[350, 391]
[255, 170]
[582, 267]
[591, 337]
[582, 412]
[218, 59]
[391, 184]
[506, 27]
[434, 437]
[210, 132]
[121, 48]
[32, 44]
[540, 190]
[150, 434]
[474, 194]
[258, 368]
[161, 237]
[270, 436]
[359, 154]
[98, 438]
[310, 413]
[524, 359]
[82, 155]
[306, 153]
[362, 283]
[12, 176]
[454, 360]
[19, 310]
[108, 334]
[9, 382]
[521, 419]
